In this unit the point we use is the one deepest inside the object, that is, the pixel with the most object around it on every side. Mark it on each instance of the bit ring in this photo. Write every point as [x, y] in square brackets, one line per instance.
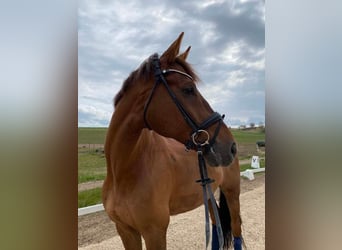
[195, 136]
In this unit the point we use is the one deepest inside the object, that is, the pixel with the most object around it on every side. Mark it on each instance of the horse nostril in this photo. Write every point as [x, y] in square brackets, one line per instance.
[233, 149]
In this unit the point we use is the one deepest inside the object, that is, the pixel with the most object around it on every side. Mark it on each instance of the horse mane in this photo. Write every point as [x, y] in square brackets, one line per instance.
[145, 71]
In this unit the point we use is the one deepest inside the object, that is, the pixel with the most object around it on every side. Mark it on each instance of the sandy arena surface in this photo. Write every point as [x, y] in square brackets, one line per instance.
[186, 231]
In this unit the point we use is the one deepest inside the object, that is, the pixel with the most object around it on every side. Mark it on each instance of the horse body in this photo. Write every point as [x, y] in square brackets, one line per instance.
[150, 176]
[141, 191]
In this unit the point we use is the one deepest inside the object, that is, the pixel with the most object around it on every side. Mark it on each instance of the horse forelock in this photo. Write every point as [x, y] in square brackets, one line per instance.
[145, 72]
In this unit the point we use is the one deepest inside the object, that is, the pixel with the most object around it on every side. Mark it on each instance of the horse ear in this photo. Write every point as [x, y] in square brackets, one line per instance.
[171, 53]
[185, 54]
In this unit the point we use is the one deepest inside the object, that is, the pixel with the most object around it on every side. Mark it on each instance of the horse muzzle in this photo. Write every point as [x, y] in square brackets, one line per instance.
[220, 154]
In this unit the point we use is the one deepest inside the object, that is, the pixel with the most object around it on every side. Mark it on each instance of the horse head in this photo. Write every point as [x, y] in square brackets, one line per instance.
[175, 108]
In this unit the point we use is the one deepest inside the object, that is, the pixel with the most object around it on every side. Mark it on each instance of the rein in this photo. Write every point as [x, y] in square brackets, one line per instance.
[204, 181]
[197, 132]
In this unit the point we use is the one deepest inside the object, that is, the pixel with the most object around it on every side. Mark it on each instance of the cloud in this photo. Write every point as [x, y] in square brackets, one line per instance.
[90, 116]
[228, 52]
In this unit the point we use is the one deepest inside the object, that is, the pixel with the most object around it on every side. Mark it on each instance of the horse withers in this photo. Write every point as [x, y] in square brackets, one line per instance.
[149, 174]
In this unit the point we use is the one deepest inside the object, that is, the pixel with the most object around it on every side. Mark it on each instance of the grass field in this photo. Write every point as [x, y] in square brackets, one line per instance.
[92, 164]
[91, 135]
[243, 167]
[89, 197]
[248, 136]
[98, 135]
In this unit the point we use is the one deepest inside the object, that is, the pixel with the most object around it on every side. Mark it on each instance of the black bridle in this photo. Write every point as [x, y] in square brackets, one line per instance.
[197, 129]
[197, 132]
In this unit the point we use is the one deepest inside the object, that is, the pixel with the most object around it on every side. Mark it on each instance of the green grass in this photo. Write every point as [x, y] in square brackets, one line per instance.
[248, 136]
[248, 165]
[98, 135]
[89, 197]
[91, 135]
[244, 167]
[91, 166]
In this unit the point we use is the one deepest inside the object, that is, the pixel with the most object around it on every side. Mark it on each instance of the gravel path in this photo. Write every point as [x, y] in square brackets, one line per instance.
[186, 231]
[89, 185]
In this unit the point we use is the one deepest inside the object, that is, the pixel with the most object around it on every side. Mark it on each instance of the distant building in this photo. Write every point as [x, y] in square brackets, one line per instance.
[242, 127]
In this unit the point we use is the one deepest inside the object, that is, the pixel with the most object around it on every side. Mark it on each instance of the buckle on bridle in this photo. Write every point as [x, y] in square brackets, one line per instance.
[196, 136]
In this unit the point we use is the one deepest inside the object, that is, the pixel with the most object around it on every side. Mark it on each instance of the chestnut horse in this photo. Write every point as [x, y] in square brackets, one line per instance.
[149, 174]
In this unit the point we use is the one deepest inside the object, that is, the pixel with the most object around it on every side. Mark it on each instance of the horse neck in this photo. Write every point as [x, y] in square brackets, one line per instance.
[126, 125]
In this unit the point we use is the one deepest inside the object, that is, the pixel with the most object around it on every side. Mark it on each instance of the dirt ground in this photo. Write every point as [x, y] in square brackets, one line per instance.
[186, 231]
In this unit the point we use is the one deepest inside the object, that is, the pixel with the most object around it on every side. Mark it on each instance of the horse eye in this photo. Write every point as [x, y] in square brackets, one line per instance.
[189, 90]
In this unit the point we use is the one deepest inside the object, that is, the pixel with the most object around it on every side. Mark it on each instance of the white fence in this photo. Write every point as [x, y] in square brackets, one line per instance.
[90, 209]
[249, 173]
[255, 164]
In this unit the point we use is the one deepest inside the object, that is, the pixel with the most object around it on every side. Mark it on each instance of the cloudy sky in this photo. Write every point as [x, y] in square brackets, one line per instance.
[228, 52]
